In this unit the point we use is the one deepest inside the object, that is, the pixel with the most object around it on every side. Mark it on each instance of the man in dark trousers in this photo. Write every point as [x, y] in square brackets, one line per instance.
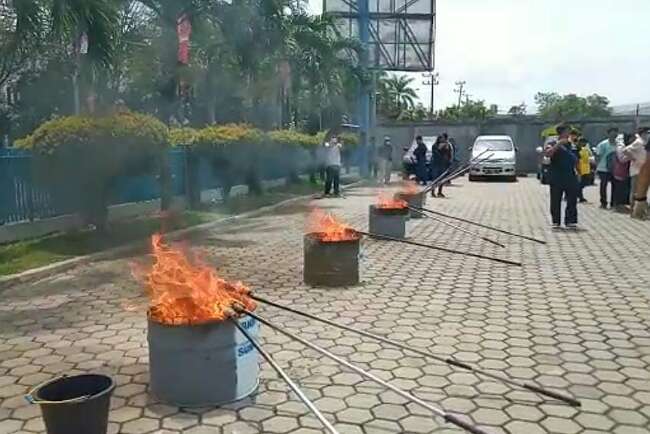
[332, 163]
[420, 154]
[563, 179]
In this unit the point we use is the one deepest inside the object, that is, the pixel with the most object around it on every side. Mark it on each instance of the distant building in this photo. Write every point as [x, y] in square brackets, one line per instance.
[630, 109]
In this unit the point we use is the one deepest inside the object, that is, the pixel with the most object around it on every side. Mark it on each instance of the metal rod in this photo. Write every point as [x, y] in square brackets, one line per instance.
[448, 417]
[460, 172]
[441, 179]
[458, 228]
[287, 379]
[443, 249]
[481, 225]
[448, 360]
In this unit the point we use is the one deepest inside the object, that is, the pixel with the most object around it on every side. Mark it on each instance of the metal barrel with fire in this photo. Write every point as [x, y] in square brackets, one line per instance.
[413, 197]
[331, 252]
[388, 217]
[197, 356]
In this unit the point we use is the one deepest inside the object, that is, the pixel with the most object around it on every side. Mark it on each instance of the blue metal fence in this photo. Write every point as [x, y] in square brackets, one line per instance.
[21, 199]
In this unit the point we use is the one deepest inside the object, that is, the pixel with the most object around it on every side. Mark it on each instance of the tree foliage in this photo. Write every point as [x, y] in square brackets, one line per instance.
[556, 107]
[470, 110]
[262, 62]
[518, 110]
[395, 96]
[78, 157]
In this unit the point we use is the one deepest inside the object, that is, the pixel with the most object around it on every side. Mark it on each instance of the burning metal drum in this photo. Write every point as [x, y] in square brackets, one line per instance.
[331, 262]
[202, 365]
[388, 221]
[417, 200]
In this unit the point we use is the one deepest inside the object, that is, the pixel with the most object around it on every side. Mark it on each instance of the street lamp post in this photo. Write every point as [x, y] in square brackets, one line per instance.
[431, 79]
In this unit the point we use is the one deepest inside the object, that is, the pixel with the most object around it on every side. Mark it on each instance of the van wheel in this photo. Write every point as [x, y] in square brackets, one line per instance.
[473, 178]
[512, 178]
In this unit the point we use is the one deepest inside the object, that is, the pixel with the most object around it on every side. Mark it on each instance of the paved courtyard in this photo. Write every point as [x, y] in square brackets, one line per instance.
[574, 318]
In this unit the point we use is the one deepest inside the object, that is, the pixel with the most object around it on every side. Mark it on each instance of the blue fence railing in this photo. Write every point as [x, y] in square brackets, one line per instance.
[21, 199]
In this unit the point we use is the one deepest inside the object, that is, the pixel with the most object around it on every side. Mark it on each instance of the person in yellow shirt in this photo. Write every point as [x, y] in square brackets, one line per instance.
[584, 166]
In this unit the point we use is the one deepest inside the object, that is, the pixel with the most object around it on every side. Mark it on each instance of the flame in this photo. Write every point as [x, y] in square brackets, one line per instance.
[409, 188]
[182, 293]
[328, 228]
[386, 201]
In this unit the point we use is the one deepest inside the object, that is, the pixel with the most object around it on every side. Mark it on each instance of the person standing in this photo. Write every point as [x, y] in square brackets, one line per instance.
[621, 176]
[373, 159]
[386, 160]
[420, 154]
[441, 162]
[604, 152]
[637, 154]
[584, 167]
[332, 163]
[563, 179]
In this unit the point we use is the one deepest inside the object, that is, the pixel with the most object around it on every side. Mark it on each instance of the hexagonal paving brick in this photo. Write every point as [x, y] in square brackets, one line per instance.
[524, 413]
[141, 426]
[418, 424]
[124, 414]
[280, 424]
[354, 416]
[254, 414]
[565, 320]
[555, 424]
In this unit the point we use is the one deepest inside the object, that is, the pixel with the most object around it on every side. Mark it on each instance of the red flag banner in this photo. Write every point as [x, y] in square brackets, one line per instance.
[184, 32]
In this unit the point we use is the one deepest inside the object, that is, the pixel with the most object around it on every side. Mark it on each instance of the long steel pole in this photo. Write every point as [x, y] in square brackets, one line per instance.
[443, 175]
[448, 360]
[458, 228]
[443, 249]
[481, 225]
[448, 417]
[287, 379]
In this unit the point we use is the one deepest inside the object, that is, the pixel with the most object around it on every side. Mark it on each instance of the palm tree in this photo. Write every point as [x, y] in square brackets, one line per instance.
[43, 23]
[395, 95]
[399, 87]
[320, 69]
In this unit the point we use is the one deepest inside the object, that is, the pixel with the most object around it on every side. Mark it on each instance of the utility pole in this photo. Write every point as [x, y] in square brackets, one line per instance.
[366, 89]
[460, 90]
[432, 79]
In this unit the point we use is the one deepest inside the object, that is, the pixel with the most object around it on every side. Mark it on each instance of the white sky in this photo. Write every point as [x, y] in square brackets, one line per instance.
[508, 50]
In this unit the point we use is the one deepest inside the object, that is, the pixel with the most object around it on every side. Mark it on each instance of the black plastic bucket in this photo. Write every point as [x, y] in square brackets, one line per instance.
[77, 404]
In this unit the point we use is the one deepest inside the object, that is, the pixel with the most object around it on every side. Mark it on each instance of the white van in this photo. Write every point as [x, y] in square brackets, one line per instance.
[502, 159]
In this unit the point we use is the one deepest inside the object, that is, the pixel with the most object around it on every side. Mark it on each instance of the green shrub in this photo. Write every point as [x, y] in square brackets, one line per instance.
[182, 136]
[229, 134]
[78, 157]
[293, 138]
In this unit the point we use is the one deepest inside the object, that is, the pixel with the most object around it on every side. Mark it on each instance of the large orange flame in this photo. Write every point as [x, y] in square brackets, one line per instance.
[183, 292]
[328, 228]
[385, 201]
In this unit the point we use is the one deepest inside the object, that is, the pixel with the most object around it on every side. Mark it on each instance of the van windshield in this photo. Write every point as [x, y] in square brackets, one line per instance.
[492, 145]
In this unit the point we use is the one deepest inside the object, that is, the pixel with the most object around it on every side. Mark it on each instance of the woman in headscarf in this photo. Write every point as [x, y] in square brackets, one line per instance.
[420, 154]
[440, 162]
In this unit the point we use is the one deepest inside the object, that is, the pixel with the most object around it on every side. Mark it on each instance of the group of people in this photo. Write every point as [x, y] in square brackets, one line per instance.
[618, 163]
[442, 156]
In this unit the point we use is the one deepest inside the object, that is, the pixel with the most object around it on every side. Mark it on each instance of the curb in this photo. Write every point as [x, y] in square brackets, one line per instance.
[7, 282]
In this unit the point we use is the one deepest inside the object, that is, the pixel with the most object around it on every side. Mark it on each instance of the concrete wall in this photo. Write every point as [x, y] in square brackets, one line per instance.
[526, 133]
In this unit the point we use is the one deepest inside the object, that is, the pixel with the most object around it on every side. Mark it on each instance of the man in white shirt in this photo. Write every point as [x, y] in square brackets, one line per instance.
[332, 163]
